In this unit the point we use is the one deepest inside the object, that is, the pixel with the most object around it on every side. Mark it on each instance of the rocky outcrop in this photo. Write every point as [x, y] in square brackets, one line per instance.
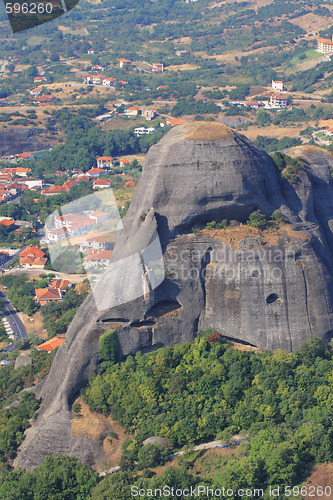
[19, 140]
[272, 292]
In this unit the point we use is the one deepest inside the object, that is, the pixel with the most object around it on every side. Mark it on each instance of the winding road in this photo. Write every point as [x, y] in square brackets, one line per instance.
[11, 321]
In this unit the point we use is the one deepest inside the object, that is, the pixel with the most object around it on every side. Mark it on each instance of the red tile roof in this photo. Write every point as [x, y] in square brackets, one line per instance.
[93, 171]
[7, 222]
[98, 214]
[327, 41]
[176, 121]
[32, 251]
[102, 255]
[102, 182]
[33, 261]
[49, 345]
[48, 294]
[53, 190]
[60, 284]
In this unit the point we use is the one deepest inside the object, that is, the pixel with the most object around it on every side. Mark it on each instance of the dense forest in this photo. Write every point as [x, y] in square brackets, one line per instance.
[281, 403]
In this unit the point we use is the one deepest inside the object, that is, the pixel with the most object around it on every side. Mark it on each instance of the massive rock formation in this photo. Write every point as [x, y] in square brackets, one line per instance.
[272, 291]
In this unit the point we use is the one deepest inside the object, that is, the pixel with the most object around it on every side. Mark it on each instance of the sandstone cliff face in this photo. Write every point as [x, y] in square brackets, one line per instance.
[271, 295]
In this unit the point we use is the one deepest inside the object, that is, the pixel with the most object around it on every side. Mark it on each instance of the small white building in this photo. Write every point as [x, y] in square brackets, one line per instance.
[100, 259]
[31, 182]
[99, 216]
[101, 184]
[143, 131]
[277, 85]
[95, 244]
[109, 82]
[104, 162]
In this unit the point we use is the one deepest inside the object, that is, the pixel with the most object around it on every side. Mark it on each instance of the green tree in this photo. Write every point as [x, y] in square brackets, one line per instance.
[257, 219]
[109, 346]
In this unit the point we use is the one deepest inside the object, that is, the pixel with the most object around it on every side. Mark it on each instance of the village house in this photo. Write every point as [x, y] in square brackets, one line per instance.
[39, 79]
[109, 82]
[14, 188]
[31, 182]
[132, 111]
[149, 114]
[60, 284]
[97, 259]
[95, 172]
[125, 63]
[158, 67]
[24, 157]
[278, 101]
[52, 344]
[129, 184]
[142, 131]
[33, 257]
[101, 183]
[42, 99]
[124, 163]
[328, 131]
[3, 257]
[36, 91]
[67, 186]
[254, 104]
[182, 53]
[277, 85]
[97, 67]
[52, 190]
[71, 225]
[4, 178]
[88, 79]
[325, 45]
[104, 162]
[99, 216]
[94, 244]
[7, 222]
[45, 295]
[54, 235]
[173, 122]
[20, 171]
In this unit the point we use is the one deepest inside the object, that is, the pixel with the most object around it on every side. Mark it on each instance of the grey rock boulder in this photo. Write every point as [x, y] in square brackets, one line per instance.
[272, 296]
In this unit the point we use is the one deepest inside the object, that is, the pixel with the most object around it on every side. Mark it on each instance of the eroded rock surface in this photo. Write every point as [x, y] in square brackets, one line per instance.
[272, 291]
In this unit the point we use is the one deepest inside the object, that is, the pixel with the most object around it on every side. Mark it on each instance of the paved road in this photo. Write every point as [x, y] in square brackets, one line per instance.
[12, 322]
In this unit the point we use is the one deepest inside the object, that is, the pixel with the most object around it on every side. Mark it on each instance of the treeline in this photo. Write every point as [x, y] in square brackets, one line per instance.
[191, 106]
[270, 144]
[195, 393]
[85, 141]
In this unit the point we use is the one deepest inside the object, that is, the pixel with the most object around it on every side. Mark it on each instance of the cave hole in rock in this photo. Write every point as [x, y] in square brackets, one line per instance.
[115, 320]
[228, 339]
[273, 297]
[163, 307]
[138, 324]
